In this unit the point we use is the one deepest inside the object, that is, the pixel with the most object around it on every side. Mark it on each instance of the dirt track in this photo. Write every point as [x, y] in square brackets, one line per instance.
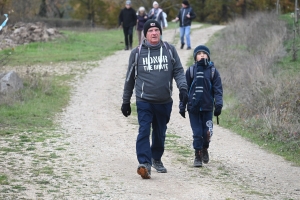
[100, 160]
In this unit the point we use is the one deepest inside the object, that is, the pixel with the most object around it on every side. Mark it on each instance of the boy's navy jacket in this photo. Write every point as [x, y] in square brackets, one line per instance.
[212, 88]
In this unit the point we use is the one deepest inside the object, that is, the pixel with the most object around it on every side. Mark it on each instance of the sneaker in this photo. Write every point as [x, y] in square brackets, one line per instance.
[144, 170]
[182, 45]
[159, 166]
[188, 48]
[198, 158]
[205, 156]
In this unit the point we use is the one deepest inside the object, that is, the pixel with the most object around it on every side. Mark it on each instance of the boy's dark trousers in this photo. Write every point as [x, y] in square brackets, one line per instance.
[199, 126]
[158, 115]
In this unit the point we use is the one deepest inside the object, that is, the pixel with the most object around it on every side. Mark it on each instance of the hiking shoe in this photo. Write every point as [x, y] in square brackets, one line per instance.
[159, 166]
[198, 158]
[205, 156]
[188, 48]
[144, 170]
[182, 45]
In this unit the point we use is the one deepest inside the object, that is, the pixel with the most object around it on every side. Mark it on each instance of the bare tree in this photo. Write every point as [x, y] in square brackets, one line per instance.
[296, 11]
[43, 9]
[57, 7]
[277, 7]
[25, 9]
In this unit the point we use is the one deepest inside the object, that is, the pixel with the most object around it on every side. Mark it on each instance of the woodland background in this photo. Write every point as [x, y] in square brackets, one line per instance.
[104, 13]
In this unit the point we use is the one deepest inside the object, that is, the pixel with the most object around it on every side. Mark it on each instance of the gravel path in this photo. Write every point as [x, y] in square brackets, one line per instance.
[100, 160]
[104, 142]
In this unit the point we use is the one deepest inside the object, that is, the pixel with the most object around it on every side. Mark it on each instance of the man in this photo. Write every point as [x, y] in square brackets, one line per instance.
[152, 78]
[156, 13]
[127, 20]
[185, 17]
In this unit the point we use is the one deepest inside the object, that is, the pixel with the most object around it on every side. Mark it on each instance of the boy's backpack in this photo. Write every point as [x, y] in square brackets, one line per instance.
[137, 55]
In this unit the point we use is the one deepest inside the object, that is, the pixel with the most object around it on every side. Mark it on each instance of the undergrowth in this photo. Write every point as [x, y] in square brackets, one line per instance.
[257, 70]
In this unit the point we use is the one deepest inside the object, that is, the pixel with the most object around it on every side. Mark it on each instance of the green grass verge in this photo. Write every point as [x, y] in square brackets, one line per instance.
[73, 46]
[251, 130]
[36, 108]
[3, 179]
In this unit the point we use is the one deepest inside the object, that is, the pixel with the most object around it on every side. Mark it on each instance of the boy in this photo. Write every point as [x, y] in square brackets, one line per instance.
[204, 92]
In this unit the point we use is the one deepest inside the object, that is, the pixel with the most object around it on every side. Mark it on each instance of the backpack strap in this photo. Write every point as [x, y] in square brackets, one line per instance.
[192, 71]
[170, 52]
[134, 64]
[213, 70]
[137, 55]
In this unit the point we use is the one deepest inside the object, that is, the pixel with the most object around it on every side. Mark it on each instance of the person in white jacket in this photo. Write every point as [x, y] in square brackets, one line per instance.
[156, 13]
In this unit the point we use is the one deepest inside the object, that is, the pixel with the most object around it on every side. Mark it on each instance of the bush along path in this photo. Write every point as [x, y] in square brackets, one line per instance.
[92, 154]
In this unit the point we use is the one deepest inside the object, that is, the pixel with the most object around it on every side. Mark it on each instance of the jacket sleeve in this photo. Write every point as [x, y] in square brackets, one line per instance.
[178, 15]
[150, 16]
[192, 14]
[218, 89]
[134, 17]
[178, 71]
[162, 19]
[129, 79]
[121, 17]
[188, 78]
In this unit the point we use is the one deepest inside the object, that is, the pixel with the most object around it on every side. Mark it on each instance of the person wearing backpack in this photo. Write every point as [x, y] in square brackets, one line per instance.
[156, 13]
[205, 93]
[151, 69]
[185, 17]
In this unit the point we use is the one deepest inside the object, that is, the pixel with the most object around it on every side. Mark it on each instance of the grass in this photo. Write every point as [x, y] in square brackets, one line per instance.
[289, 151]
[73, 46]
[36, 109]
[3, 179]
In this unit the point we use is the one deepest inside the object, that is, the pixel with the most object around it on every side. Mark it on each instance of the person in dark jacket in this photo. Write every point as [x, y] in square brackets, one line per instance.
[127, 20]
[141, 19]
[185, 17]
[204, 93]
[152, 77]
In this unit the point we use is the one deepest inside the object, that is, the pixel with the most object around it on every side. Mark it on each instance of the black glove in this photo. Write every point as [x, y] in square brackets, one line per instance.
[182, 109]
[126, 109]
[218, 110]
[183, 96]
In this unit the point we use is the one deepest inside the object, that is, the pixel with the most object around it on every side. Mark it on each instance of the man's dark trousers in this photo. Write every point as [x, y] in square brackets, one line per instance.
[157, 115]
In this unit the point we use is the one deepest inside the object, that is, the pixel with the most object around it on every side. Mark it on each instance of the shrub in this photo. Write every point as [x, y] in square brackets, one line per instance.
[248, 51]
